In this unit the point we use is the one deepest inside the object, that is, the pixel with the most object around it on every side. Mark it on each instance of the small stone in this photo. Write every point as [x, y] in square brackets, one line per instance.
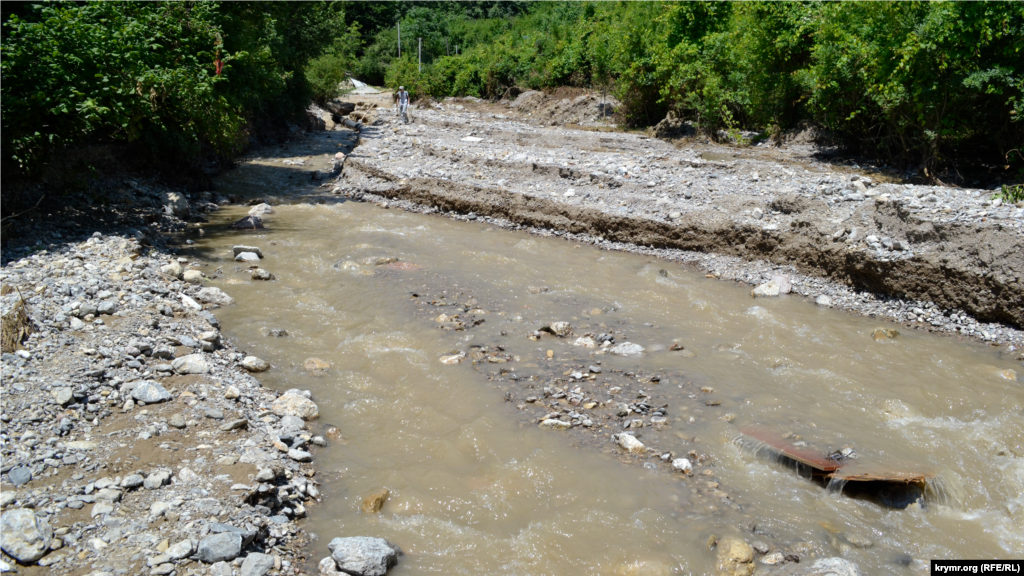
[225, 546]
[265, 475]
[880, 334]
[682, 465]
[783, 282]
[767, 290]
[375, 501]
[162, 569]
[735, 557]
[24, 536]
[156, 480]
[173, 270]
[193, 277]
[132, 481]
[773, 558]
[299, 455]
[180, 550]
[560, 328]
[260, 210]
[261, 274]
[241, 249]
[823, 300]
[291, 423]
[630, 443]
[190, 364]
[76, 324]
[364, 556]
[553, 424]
[627, 349]
[247, 257]
[231, 393]
[63, 396]
[20, 476]
[254, 364]
[295, 405]
[316, 365]
[150, 392]
[221, 569]
[257, 564]
[212, 295]
[176, 421]
[101, 508]
[234, 425]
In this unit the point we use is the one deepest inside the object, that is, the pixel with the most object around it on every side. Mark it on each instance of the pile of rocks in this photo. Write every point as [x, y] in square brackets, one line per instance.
[134, 439]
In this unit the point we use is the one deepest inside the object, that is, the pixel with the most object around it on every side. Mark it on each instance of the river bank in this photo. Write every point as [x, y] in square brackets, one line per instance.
[134, 439]
[840, 237]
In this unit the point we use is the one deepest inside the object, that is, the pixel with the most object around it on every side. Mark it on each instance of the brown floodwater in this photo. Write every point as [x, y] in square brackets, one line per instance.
[476, 487]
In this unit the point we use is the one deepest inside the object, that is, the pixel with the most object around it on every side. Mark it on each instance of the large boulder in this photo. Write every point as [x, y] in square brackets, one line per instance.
[24, 536]
[176, 204]
[364, 556]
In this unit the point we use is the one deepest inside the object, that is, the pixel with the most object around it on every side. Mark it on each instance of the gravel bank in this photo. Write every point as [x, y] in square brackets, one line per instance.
[940, 259]
[133, 441]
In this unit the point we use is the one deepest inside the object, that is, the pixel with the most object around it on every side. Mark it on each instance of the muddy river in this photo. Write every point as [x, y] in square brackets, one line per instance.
[477, 487]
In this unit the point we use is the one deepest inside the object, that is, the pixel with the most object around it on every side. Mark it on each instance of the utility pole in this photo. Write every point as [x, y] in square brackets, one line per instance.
[399, 40]
[419, 55]
[447, 52]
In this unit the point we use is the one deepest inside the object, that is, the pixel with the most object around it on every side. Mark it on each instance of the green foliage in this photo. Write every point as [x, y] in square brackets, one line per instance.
[912, 81]
[920, 77]
[325, 73]
[1011, 194]
[94, 72]
[119, 71]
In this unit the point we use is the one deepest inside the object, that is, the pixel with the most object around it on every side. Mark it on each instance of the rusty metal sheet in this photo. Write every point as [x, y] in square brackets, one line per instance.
[802, 454]
[845, 470]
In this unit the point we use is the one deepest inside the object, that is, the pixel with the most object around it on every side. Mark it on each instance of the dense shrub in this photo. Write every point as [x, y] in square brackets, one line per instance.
[176, 77]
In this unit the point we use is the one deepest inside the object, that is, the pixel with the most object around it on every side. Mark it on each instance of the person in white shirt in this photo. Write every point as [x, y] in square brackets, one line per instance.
[403, 104]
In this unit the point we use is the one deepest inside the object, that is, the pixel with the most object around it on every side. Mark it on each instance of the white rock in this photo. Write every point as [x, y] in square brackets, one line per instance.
[254, 364]
[630, 443]
[24, 536]
[247, 257]
[627, 349]
[190, 364]
[783, 282]
[213, 295]
[261, 210]
[585, 342]
[295, 405]
[190, 303]
[823, 300]
[682, 465]
[767, 290]
[553, 424]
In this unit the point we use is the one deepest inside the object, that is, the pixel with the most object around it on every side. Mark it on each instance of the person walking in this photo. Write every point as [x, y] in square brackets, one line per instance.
[403, 104]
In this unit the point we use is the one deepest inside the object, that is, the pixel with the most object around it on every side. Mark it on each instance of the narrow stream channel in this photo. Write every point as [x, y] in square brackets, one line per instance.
[476, 487]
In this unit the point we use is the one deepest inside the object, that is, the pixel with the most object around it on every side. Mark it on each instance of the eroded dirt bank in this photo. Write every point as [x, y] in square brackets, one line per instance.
[953, 248]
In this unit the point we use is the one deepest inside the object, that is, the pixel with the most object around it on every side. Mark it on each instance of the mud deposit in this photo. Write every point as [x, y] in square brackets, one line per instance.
[499, 441]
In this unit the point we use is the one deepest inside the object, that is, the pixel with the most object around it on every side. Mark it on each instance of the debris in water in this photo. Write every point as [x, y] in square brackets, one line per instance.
[894, 488]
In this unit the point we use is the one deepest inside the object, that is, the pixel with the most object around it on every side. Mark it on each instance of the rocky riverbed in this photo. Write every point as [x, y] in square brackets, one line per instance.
[134, 438]
[932, 257]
